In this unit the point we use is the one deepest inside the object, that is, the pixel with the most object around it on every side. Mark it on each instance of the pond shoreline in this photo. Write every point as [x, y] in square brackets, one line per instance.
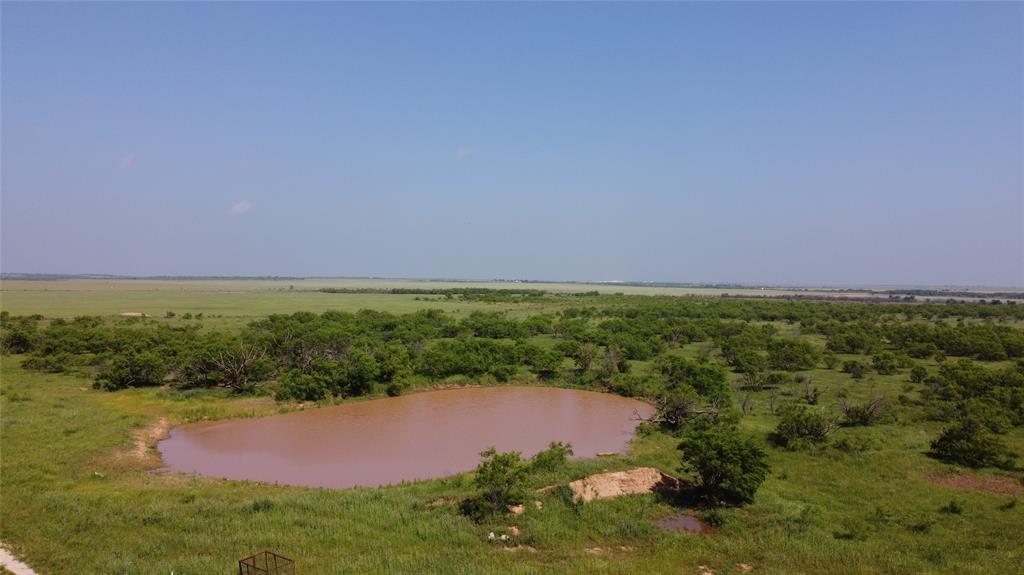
[406, 438]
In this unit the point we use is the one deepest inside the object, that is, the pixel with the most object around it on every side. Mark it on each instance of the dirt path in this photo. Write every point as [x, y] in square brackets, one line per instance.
[149, 436]
[7, 561]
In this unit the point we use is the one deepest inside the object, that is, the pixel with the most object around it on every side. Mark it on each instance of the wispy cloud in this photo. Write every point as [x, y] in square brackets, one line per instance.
[464, 152]
[241, 208]
[127, 162]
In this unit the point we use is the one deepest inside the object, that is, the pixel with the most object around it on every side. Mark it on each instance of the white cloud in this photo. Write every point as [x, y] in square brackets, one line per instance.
[464, 152]
[241, 207]
[127, 162]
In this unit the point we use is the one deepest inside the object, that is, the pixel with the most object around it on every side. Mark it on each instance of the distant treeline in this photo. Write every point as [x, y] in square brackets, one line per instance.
[954, 294]
[56, 277]
[467, 293]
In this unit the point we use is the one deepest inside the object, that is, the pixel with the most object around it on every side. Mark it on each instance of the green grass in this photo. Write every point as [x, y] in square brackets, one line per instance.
[257, 298]
[238, 302]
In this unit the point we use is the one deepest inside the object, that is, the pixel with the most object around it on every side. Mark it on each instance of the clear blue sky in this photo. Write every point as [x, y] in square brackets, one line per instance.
[812, 143]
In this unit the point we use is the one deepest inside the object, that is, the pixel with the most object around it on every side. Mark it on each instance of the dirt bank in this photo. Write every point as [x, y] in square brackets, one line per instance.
[9, 562]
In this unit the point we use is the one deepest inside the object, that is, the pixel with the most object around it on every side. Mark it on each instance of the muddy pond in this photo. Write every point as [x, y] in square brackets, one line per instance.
[418, 436]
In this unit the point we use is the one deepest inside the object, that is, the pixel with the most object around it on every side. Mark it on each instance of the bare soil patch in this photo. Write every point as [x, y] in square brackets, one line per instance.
[12, 564]
[983, 483]
[618, 483]
[148, 437]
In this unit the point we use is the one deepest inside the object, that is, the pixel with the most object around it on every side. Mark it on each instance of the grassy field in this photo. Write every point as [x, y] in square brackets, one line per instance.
[82, 492]
[256, 298]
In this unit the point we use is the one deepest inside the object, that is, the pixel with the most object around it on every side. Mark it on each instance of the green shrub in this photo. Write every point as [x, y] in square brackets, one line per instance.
[19, 337]
[500, 477]
[551, 458]
[970, 442]
[885, 363]
[729, 466]
[855, 368]
[713, 517]
[298, 386]
[132, 370]
[636, 385]
[918, 374]
[800, 427]
[864, 414]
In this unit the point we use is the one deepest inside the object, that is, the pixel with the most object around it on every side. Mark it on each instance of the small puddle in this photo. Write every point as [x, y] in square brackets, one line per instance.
[418, 436]
[683, 522]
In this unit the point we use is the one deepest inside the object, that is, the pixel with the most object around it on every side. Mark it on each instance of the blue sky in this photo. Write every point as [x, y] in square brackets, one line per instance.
[809, 143]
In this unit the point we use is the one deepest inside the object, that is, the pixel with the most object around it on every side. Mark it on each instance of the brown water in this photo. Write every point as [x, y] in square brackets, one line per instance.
[684, 523]
[419, 436]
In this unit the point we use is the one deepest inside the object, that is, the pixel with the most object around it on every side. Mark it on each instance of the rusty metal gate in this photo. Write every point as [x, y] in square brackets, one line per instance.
[266, 563]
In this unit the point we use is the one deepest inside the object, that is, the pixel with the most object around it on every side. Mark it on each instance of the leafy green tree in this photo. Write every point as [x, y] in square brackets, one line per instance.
[706, 378]
[584, 356]
[299, 386]
[677, 406]
[552, 458]
[855, 368]
[546, 363]
[800, 427]
[918, 373]
[730, 466]
[792, 355]
[18, 336]
[970, 442]
[885, 363]
[613, 361]
[363, 371]
[132, 370]
[501, 478]
[393, 361]
[752, 365]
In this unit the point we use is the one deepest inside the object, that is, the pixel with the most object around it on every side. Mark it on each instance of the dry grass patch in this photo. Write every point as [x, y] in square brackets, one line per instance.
[997, 485]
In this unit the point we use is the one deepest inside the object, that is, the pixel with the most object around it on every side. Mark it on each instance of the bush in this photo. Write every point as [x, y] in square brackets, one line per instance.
[730, 466]
[863, 414]
[800, 426]
[918, 374]
[885, 363]
[713, 517]
[500, 476]
[298, 386]
[636, 385]
[855, 368]
[677, 406]
[792, 355]
[18, 337]
[551, 458]
[706, 378]
[776, 379]
[970, 442]
[132, 370]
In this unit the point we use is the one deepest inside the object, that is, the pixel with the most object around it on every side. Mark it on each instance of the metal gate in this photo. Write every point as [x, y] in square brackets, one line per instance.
[266, 563]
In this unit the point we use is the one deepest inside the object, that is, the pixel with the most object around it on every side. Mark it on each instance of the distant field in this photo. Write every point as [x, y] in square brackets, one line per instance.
[233, 299]
[257, 298]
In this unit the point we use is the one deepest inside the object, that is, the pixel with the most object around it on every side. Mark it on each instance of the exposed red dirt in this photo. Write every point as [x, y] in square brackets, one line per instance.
[983, 483]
